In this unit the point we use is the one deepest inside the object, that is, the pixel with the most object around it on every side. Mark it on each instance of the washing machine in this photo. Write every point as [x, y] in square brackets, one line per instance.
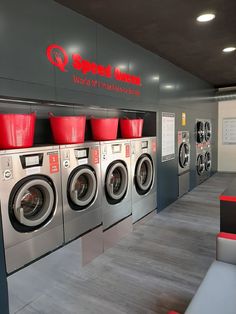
[183, 162]
[200, 153]
[81, 188]
[30, 193]
[143, 169]
[116, 183]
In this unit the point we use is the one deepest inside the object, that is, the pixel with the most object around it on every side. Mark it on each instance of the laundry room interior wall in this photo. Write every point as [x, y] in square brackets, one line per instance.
[26, 73]
[226, 152]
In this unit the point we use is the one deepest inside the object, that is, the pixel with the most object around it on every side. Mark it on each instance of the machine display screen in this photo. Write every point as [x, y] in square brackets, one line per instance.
[32, 161]
[145, 144]
[81, 153]
[116, 148]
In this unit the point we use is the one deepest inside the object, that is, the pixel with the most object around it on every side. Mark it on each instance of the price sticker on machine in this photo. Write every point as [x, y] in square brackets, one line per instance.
[154, 146]
[127, 150]
[95, 155]
[54, 162]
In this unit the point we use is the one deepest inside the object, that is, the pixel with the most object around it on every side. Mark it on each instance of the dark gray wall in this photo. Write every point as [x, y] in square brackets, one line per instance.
[27, 27]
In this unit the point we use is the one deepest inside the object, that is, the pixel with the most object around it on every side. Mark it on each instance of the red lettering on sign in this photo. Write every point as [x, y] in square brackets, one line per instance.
[59, 58]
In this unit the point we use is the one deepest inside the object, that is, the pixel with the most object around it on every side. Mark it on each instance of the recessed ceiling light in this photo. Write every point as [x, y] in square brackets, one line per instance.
[206, 17]
[229, 49]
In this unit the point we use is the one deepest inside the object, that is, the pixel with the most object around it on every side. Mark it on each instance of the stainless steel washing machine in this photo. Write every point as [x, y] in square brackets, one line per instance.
[30, 192]
[81, 188]
[143, 168]
[183, 162]
[116, 183]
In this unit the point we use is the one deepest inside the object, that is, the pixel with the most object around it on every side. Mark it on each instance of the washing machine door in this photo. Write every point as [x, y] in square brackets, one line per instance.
[208, 161]
[144, 174]
[200, 164]
[116, 182]
[184, 155]
[82, 187]
[200, 131]
[32, 203]
[207, 131]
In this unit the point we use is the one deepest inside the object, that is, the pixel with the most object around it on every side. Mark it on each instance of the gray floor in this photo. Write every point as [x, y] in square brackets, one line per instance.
[156, 268]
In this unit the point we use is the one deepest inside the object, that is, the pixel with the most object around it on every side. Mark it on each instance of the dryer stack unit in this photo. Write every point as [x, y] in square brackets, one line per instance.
[207, 148]
[81, 194]
[30, 193]
[203, 150]
[143, 170]
[183, 162]
[116, 184]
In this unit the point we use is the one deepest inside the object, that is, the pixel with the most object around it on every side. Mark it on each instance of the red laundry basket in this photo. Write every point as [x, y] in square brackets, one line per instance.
[17, 130]
[131, 128]
[67, 129]
[104, 129]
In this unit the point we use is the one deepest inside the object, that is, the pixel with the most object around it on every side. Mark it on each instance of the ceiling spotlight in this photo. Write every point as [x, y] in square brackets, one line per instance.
[206, 17]
[156, 78]
[229, 49]
[169, 86]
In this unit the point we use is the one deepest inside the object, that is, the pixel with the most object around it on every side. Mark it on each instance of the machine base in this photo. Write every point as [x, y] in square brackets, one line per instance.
[143, 206]
[184, 183]
[114, 234]
[81, 224]
[144, 219]
[25, 252]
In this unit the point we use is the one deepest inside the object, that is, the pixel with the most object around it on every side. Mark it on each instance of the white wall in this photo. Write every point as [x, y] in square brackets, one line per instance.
[226, 153]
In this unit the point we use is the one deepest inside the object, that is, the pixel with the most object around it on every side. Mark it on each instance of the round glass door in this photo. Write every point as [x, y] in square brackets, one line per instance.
[144, 174]
[200, 164]
[207, 131]
[116, 184]
[184, 155]
[82, 187]
[208, 161]
[200, 132]
[32, 203]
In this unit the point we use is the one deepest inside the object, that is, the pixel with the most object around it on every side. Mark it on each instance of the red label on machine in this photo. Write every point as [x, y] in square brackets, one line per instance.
[54, 163]
[127, 151]
[95, 155]
[154, 146]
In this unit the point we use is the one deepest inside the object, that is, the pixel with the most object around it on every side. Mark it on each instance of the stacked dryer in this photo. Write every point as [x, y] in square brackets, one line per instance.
[203, 149]
[143, 171]
[30, 193]
[183, 162]
[207, 148]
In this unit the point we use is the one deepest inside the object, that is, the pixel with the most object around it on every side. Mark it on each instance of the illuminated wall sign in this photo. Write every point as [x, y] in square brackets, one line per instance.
[60, 59]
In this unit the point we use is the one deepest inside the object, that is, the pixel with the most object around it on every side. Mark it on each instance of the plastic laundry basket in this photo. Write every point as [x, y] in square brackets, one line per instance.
[104, 129]
[67, 129]
[17, 130]
[131, 128]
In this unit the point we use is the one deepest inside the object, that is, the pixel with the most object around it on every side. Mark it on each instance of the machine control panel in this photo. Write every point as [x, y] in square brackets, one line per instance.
[6, 166]
[82, 153]
[116, 148]
[33, 160]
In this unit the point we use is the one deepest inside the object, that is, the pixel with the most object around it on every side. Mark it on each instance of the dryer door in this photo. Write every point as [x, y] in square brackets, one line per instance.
[200, 164]
[144, 174]
[207, 131]
[200, 131]
[32, 203]
[184, 155]
[82, 187]
[208, 161]
[116, 183]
